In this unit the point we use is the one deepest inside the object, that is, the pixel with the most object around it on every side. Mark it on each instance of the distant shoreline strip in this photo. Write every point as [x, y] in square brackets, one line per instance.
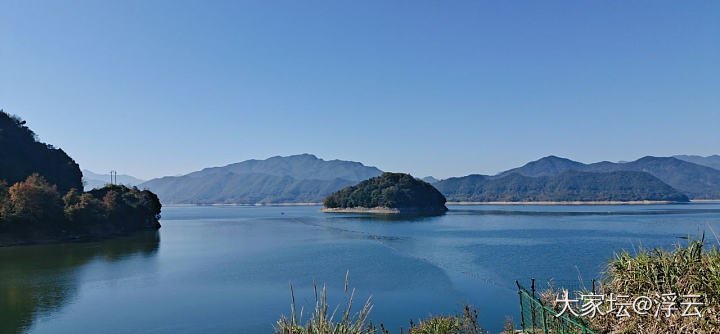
[567, 203]
[710, 201]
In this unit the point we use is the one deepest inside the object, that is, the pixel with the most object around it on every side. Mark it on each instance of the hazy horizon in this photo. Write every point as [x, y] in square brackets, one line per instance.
[163, 88]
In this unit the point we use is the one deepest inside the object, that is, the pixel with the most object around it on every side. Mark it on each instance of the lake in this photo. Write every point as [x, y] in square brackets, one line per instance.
[227, 269]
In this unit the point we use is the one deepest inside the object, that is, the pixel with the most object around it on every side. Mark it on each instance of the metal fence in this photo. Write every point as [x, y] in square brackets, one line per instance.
[538, 318]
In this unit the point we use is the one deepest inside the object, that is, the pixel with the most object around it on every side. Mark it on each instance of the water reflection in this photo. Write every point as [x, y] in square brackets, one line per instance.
[40, 279]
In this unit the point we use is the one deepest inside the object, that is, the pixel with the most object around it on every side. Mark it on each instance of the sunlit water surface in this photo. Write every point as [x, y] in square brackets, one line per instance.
[228, 269]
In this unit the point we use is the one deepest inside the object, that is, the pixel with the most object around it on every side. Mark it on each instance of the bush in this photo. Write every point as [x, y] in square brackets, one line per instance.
[34, 207]
[35, 204]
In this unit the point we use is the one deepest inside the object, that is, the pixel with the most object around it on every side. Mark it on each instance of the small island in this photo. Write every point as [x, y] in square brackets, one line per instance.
[389, 193]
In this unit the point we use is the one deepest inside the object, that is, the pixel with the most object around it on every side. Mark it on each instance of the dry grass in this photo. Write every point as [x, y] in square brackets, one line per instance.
[463, 323]
[322, 321]
[688, 269]
[683, 270]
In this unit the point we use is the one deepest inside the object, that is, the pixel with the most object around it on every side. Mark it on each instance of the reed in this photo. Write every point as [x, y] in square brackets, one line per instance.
[322, 321]
[345, 321]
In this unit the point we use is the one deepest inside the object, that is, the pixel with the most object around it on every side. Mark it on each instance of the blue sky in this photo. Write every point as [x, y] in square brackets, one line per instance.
[153, 88]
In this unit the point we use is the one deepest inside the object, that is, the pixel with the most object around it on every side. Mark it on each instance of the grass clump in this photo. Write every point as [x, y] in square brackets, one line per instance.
[684, 270]
[322, 321]
[687, 269]
[463, 323]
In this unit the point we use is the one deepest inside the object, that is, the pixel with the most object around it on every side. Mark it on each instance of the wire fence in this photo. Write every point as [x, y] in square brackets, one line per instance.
[536, 317]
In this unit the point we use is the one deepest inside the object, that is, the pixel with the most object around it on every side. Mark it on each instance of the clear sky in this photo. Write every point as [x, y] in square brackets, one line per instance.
[442, 88]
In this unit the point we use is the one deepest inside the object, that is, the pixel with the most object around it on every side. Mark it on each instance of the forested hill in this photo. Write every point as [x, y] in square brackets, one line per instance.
[21, 155]
[41, 196]
[567, 186]
[696, 181]
[390, 190]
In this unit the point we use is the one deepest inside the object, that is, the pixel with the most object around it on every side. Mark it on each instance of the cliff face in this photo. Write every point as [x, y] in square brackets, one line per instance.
[391, 192]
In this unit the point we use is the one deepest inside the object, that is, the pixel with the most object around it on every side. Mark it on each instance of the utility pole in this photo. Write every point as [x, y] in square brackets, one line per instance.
[113, 180]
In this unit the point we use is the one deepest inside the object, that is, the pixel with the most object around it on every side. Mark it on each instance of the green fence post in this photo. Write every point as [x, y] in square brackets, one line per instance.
[532, 305]
[522, 312]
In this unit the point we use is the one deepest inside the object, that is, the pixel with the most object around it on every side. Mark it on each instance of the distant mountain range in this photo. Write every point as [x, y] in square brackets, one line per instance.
[430, 179]
[712, 161]
[696, 181]
[567, 186]
[306, 178]
[94, 180]
[300, 178]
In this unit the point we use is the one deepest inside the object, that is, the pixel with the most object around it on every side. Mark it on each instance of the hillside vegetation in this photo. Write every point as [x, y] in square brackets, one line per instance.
[35, 208]
[21, 155]
[390, 190]
[695, 181]
[568, 186]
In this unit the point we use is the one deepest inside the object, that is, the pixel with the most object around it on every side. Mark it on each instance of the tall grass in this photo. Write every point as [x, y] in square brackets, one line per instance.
[692, 268]
[344, 321]
[321, 321]
[687, 269]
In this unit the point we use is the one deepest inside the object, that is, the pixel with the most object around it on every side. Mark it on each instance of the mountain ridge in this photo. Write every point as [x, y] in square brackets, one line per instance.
[712, 161]
[697, 181]
[305, 178]
[568, 186]
[302, 178]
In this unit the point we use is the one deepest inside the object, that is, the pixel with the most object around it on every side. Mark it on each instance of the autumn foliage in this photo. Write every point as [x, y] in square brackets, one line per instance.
[35, 207]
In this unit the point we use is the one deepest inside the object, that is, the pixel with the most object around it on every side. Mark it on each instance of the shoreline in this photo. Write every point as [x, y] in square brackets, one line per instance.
[697, 201]
[242, 204]
[569, 203]
[384, 210]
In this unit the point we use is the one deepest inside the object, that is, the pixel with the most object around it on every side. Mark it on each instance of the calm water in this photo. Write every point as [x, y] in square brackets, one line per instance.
[227, 269]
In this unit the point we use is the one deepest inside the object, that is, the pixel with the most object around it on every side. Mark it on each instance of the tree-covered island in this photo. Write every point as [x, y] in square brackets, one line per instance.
[388, 193]
[41, 197]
